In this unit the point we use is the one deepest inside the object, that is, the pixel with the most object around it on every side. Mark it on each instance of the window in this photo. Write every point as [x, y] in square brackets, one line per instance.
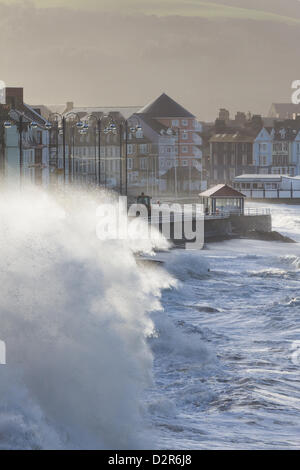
[184, 122]
[139, 134]
[143, 164]
[130, 149]
[129, 163]
[279, 160]
[262, 160]
[184, 163]
[185, 135]
[143, 148]
[185, 149]
[175, 123]
[262, 147]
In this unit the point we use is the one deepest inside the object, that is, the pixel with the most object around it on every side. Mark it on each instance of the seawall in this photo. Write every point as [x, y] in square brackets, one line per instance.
[218, 228]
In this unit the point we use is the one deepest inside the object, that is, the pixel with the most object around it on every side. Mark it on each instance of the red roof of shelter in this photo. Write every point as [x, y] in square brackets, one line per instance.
[222, 190]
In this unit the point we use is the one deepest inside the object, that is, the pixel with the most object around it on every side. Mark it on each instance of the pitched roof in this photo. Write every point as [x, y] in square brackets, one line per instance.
[232, 137]
[164, 107]
[29, 115]
[222, 190]
[261, 177]
[156, 126]
[284, 110]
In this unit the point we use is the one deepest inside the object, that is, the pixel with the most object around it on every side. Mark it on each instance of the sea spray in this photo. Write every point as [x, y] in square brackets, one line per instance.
[74, 317]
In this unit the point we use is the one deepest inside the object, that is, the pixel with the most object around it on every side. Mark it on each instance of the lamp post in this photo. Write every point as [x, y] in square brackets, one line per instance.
[20, 126]
[111, 128]
[175, 131]
[4, 124]
[79, 125]
[98, 122]
[48, 127]
[62, 131]
[53, 124]
[57, 118]
[127, 124]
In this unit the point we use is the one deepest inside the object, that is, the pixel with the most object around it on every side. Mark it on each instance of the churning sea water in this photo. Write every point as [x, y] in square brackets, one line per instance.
[227, 368]
[104, 352]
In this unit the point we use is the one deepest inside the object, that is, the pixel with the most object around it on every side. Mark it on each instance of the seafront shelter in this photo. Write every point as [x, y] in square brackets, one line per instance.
[223, 199]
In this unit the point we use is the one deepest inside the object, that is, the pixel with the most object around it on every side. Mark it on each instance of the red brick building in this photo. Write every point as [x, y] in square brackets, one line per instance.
[182, 124]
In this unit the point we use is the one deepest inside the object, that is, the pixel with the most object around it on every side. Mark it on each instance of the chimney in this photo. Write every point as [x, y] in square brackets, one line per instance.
[240, 118]
[14, 97]
[69, 106]
[224, 115]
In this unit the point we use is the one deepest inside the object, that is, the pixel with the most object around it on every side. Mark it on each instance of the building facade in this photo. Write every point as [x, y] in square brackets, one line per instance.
[267, 186]
[29, 161]
[177, 136]
[231, 154]
[277, 151]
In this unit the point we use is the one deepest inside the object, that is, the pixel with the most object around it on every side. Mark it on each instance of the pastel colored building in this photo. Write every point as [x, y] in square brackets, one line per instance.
[277, 151]
[35, 143]
[177, 134]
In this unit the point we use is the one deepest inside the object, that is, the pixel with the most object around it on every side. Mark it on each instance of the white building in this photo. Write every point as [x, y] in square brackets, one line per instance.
[277, 151]
[35, 150]
[263, 186]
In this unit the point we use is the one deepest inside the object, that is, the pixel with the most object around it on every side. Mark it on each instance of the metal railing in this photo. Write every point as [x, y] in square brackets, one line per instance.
[217, 215]
[257, 211]
[248, 211]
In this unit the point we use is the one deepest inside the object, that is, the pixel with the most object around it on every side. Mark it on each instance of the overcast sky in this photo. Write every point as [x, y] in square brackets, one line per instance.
[239, 54]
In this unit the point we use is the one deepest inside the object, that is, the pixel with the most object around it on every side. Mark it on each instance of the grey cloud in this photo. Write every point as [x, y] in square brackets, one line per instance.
[111, 59]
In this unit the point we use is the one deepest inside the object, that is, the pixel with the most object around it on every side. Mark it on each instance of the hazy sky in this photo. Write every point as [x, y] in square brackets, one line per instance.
[240, 54]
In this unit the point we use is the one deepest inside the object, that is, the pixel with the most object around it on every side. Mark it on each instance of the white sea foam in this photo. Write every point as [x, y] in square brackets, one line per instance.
[82, 321]
[291, 260]
[185, 264]
[74, 316]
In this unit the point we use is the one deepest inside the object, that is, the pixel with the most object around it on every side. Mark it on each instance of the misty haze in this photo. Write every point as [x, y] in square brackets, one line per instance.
[149, 228]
